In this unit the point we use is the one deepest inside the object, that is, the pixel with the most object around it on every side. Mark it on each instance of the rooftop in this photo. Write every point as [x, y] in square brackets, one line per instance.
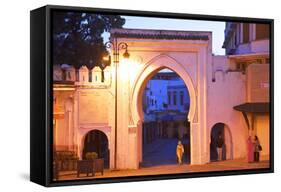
[161, 34]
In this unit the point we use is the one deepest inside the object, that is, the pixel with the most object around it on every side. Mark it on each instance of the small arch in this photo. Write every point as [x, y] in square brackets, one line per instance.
[227, 149]
[96, 141]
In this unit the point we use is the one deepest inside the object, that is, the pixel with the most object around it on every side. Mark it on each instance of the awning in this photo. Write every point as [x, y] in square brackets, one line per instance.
[253, 107]
[250, 110]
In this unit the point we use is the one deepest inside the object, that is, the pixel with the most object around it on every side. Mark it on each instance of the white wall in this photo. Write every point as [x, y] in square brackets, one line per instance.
[228, 90]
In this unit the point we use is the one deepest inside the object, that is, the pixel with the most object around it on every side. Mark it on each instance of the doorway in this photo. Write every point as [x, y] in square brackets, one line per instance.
[227, 148]
[165, 103]
[96, 141]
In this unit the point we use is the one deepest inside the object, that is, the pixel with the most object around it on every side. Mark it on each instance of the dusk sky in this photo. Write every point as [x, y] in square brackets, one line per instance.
[217, 28]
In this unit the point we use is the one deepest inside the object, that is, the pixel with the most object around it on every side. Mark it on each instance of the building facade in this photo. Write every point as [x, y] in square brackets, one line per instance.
[219, 89]
[166, 91]
[247, 46]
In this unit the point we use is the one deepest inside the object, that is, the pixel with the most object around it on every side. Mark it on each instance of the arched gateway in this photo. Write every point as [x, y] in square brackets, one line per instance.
[186, 53]
[150, 69]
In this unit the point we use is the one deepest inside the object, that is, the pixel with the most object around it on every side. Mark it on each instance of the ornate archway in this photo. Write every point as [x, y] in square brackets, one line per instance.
[150, 69]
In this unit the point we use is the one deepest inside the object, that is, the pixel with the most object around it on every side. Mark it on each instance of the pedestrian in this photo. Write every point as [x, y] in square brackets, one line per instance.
[250, 149]
[180, 151]
[257, 149]
[219, 146]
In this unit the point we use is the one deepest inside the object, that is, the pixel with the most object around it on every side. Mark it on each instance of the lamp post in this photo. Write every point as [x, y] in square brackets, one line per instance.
[116, 48]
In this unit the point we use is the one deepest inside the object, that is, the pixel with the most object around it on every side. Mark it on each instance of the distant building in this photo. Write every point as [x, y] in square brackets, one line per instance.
[178, 97]
[246, 38]
[166, 92]
[165, 105]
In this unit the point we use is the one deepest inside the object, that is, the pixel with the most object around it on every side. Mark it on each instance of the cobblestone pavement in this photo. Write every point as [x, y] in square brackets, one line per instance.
[238, 164]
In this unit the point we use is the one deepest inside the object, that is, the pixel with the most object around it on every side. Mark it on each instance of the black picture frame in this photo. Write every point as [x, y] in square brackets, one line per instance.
[41, 95]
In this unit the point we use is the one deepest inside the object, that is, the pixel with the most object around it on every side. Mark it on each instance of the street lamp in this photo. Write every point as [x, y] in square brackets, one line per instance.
[116, 48]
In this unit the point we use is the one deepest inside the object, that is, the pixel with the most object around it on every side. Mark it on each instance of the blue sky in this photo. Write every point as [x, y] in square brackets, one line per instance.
[217, 27]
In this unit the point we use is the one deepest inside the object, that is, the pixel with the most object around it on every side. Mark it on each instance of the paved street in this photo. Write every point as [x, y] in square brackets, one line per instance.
[238, 164]
[160, 152]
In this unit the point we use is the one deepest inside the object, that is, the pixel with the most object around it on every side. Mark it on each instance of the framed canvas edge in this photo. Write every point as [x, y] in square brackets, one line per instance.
[48, 98]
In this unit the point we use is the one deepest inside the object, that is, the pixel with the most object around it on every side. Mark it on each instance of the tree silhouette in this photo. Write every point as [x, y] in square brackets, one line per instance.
[77, 37]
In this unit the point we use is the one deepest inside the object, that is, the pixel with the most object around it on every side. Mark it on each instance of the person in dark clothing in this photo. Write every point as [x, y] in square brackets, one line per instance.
[257, 149]
[219, 146]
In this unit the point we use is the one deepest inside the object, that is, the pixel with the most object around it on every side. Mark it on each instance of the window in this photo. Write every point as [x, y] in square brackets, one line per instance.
[169, 98]
[234, 43]
[237, 40]
[181, 97]
[246, 33]
[262, 31]
[89, 76]
[175, 98]
[77, 75]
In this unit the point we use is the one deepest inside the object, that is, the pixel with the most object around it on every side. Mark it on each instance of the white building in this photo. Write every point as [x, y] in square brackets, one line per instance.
[166, 91]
